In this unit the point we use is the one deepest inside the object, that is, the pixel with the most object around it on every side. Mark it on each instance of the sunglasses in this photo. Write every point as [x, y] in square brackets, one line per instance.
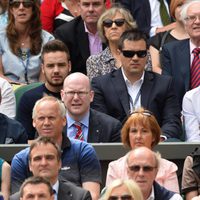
[145, 113]
[123, 197]
[118, 22]
[136, 168]
[130, 54]
[26, 4]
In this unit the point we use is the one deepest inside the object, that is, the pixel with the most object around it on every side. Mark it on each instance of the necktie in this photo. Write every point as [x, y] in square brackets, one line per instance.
[79, 132]
[195, 69]
[164, 14]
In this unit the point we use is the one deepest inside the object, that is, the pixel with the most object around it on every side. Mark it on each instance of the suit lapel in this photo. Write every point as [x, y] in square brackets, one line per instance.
[146, 89]
[95, 128]
[185, 62]
[83, 41]
[121, 90]
[64, 191]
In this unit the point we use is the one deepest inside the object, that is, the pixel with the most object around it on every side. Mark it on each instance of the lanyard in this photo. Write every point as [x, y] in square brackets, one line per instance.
[133, 104]
[25, 56]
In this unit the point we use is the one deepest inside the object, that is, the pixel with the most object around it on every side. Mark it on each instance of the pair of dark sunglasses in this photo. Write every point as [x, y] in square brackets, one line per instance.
[118, 22]
[123, 197]
[136, 168]
[130, 54]
[26, 4]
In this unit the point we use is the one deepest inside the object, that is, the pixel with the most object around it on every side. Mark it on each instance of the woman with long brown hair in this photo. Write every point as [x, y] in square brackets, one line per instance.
[21, 42]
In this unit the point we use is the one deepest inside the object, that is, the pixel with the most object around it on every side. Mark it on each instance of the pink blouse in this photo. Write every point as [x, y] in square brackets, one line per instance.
[166, 176]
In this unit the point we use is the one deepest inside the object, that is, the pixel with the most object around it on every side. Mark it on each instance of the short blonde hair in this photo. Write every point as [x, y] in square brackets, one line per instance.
[148, 121]
[131, 185]
[130, 22]
[60, 104]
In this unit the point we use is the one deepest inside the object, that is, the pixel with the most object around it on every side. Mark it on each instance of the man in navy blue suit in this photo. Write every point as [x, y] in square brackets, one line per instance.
[122, 91]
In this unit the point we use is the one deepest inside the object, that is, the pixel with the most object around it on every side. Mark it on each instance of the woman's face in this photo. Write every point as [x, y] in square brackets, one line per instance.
[22, 11]
[140, 136]
[120, 191]
[178, 11]
[114, 32]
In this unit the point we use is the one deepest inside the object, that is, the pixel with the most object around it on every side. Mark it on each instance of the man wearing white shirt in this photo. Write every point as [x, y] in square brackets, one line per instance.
[191, 114]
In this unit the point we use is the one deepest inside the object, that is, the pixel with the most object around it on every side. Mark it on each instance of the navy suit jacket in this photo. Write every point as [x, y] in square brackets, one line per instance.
[141, 12]
[74, 36]
[157, 95]
[66, 191]
[103, 128]
[175, 59]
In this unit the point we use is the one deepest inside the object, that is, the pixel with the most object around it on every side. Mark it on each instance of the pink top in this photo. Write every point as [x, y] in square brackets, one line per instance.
[166, 176]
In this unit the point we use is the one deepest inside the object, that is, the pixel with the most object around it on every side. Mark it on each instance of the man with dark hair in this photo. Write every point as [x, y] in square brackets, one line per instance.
[80, 164]
[56, 66]
[36, 187]
[45, 161]
[122, 91]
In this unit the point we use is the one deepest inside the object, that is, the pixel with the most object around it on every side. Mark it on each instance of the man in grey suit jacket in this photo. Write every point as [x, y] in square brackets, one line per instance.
[130, 87]
[45, 161]
[96, 126]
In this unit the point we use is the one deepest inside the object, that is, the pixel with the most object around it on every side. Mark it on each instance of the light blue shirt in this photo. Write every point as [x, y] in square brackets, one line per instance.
[55, 188]
[71, 130]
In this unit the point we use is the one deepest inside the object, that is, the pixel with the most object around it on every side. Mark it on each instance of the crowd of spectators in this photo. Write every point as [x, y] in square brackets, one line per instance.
[107, 71]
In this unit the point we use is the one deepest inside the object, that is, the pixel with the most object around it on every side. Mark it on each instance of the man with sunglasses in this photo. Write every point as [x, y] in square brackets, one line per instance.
[122, 91]
[142, 167]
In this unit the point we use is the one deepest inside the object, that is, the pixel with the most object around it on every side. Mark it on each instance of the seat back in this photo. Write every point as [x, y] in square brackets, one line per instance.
[21, 90]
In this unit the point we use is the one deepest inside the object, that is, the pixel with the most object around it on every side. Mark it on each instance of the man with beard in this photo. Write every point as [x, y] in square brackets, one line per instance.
[56, 66]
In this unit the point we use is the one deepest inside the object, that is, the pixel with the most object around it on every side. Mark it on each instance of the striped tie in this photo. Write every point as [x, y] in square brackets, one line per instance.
[79, 133]
[164, 13]
[195, 69]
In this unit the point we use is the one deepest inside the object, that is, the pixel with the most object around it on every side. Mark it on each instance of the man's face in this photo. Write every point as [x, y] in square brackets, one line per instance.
[91, 10]
[192, 24]
[146, 173]
[44, 162]
[36, 192]
[77, 96]
[48, 120]
[55, 68]
[134, 65]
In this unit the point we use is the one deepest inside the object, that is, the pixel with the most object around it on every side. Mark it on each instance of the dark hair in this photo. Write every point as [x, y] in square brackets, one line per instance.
[45, 140]
[35, 32]
[132, 35]
[35, 180]
[53, 46]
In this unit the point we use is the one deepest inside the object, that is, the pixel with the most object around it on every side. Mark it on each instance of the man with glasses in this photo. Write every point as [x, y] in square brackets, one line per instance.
[82, 122]
[122, 91]
[180, 59]
[80, 164]
[142, 167]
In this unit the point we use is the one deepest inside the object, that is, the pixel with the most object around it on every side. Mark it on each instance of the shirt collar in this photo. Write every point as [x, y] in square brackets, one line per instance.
[84, 120]
[55, 186]
[152, 195]
[128, 82]
[192, 47]
[87, 31]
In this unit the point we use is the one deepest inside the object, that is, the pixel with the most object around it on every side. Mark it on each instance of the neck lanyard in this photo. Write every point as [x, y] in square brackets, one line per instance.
[23, 58]
[133, 104]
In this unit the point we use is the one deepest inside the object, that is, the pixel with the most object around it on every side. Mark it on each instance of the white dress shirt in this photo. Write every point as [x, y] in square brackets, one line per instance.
[191, 114]
[55, 188]
[156, 21]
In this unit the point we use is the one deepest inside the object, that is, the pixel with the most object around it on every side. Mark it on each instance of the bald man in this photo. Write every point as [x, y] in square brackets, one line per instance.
[95, 126]
[143, 166]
